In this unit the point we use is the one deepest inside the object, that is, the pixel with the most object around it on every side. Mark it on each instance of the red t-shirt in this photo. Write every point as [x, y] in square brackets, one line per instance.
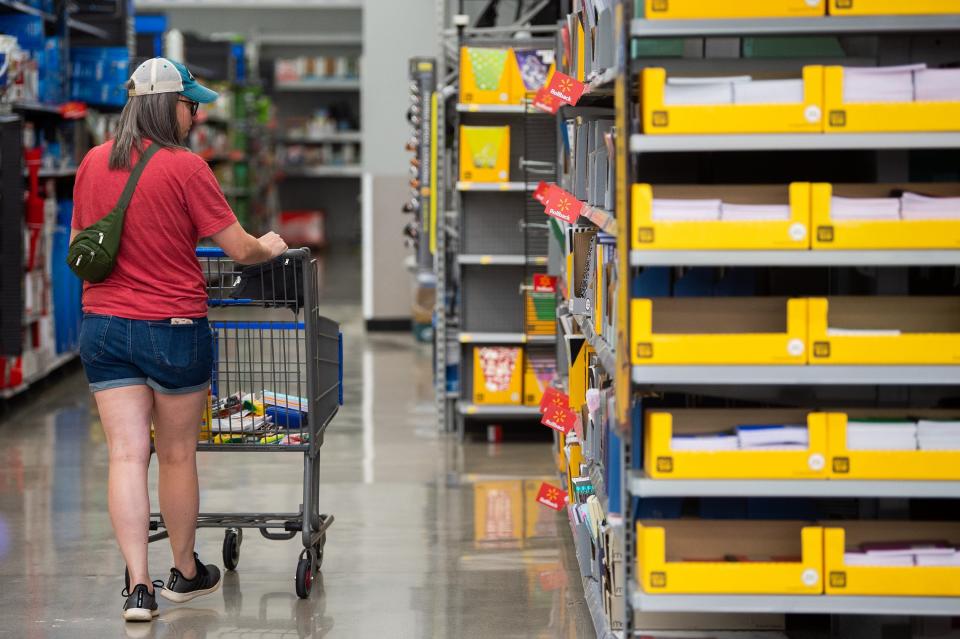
[177, 201]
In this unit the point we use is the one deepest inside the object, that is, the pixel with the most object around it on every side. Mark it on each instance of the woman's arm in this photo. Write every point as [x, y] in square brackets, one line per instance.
[243, 248]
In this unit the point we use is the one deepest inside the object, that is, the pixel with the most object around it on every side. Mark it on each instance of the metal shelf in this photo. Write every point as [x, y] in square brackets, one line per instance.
[500, 260]
[505, 338]
[795, 258]
[792, 142]
[642, 486]
[796, 375]
[23, 7]
[323, 171]
[7, 393]
[309, 39]
[604, 353]
[319, 85]
[496, 186]
[641, 28]
[53, 109]
[797, 604]
[591, 591]
[338, 137]
[468, 409]
[463, 107]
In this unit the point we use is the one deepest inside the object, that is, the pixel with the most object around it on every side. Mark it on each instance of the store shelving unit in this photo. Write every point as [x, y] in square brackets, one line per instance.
[640, 143]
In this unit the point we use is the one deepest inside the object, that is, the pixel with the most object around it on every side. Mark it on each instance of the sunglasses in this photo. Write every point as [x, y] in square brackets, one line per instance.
[194, 106]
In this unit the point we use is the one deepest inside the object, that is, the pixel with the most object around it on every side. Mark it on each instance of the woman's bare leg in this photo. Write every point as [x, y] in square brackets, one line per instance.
[125, 415]
[176, 419]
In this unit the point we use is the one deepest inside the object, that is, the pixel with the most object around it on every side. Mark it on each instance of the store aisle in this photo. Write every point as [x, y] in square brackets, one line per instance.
[427, 541]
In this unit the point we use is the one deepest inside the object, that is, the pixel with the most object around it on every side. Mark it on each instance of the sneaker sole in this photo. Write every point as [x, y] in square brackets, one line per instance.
[184, 597]
[140, 614]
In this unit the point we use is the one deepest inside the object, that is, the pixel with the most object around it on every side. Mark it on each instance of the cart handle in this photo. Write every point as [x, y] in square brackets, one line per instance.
[216, 251]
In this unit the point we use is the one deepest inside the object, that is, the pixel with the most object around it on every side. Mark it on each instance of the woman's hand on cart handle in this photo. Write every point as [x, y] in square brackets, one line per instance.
[244, 248]
[274, 244]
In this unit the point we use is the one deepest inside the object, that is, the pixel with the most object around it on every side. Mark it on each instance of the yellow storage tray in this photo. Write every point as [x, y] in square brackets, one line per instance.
[497, 375]
[690, 557]
[880, 234]
[904, 581]
[892, 7]
[882, 117]
[744, 331]
[907, 465]
[518, 90]
[660, 118]
[486, 76]
[929, 330]
[650, 234]
[662, 462]
[498, 511]
[484, 153]
[706, 9]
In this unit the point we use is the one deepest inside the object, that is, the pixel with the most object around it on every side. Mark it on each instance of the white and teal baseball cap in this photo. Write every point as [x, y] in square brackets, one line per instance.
[160, 75]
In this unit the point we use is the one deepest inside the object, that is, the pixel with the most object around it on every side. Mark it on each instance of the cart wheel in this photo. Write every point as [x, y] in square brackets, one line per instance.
[304, 576]
[232, 539]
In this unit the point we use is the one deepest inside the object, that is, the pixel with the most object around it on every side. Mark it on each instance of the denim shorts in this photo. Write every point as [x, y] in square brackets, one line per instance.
[171, 358]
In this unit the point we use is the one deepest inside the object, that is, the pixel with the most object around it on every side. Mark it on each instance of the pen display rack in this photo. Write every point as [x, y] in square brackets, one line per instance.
[659, 117]
[882, 117]
[891, 7]
[792, 232]
[708, 9]
[663, 461]
[729, 557]
[898, 232]
[884, 330]
[740, 331]
[906, 464]
[890, 542]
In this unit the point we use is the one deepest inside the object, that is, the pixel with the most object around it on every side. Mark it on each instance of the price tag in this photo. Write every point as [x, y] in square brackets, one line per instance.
[559, 419]
[552, 398]
[544, 283]
[565, 88]
[551, 496]
[562, 205]
[545, 102]
[540, 193]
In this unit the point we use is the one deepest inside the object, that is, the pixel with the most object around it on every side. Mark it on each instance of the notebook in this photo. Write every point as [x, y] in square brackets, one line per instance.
[768, 92]
[937, 85]
[861, 208]
[686, 210]
[881, 435]
[914, 206]
[768, 435]
[704, 442]
[879, 84]
[755, 212]
[693, 91]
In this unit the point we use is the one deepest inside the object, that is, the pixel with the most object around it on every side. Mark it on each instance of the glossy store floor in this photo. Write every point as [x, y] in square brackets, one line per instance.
[430, 538]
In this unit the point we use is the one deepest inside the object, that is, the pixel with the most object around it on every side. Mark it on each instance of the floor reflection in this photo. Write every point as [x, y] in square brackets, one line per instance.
[433, 538]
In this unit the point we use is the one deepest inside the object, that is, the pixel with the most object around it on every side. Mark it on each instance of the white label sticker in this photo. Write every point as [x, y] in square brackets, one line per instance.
[813, 3]
[795, 347]
[798, 231]
[810, 577]
[816, 462]
[504, 97]
[812, 113]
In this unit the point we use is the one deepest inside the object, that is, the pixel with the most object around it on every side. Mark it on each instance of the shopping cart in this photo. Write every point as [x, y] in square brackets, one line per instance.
[276, 385]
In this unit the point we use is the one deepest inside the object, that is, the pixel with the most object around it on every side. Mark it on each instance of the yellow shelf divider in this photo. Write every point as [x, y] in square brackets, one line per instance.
[930, 330]
[830, 234]
[892, 7]
[904, 581]
[906, 465]
[786, 346]
[882, 117]
[792, 234]
[662, 462]
[667, 552]
[662, 119]
[709, 9]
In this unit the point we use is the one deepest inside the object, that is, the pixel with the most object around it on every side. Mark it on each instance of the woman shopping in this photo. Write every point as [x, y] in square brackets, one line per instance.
[145, 342]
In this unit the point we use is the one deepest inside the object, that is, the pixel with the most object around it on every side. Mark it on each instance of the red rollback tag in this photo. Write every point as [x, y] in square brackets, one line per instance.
[544, 283]
[559, 419]
[551, 496]
[552, 398]
[545, 102]
[540, 193]
[562, 205]
[565, 88]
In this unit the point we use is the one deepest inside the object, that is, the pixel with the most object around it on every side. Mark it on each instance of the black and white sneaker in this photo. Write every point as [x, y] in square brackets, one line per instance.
[141, 604]
[181, 590]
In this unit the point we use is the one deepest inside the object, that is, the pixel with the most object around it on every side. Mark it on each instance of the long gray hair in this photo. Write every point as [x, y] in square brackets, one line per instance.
[151, 117]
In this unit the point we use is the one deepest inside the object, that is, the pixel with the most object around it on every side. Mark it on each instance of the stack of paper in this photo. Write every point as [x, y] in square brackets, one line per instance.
[868, 559]
[686, 210]
[881, 435]
[861, 208]
[938, 435]
[722, 441]
[755, 212]
[914, 206]
[773, 436]
[701, 90]
[879, 84]
[952, 559]
[768, 92]
[937, 85]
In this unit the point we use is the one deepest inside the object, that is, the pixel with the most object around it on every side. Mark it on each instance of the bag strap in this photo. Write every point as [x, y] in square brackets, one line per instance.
[135, 174]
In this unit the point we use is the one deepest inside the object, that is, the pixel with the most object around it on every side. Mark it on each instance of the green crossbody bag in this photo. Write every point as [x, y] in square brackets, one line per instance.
[93, 252]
